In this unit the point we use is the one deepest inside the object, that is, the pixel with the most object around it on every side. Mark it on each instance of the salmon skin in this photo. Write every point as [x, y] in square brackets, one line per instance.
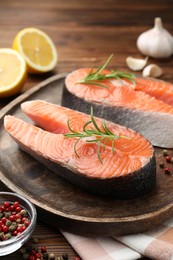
[122, 104]
[127, 173]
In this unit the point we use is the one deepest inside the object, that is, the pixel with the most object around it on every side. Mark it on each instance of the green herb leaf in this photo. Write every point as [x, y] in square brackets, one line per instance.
[101, 136]
[93, 78]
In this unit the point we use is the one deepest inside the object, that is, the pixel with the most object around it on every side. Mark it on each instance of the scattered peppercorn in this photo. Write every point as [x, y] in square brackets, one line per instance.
[23, 250]
[30, 247]
[38, 255]
[45, 255]
[168, 159]
[35, 240]
[167, 170]
[165, 152]
[43, 249]
[25, 256]
[30, 251]
[161, 164]
[51, 256]
[31, 257]
[65, 256]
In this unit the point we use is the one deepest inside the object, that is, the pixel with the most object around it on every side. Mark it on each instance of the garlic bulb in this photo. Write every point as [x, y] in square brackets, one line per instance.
[136, 64]
[156, 42]
[152, 70]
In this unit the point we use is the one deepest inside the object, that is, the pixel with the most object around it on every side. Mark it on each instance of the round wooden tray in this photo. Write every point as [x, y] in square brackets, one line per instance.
[66, 206]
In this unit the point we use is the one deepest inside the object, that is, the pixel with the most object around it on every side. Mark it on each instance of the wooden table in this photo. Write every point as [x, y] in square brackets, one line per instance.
[85, 34]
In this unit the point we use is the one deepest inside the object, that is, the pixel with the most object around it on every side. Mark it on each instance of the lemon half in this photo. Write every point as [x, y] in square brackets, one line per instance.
[37, 49]
[12, 72]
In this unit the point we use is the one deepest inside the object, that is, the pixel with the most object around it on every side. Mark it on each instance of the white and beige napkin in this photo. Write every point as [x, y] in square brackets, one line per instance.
[155, 244]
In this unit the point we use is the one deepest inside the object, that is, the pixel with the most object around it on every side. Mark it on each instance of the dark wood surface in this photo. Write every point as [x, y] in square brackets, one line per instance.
[85, 33]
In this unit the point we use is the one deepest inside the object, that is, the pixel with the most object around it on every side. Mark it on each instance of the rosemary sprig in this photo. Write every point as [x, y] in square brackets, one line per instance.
[100, 137]
[93, 78]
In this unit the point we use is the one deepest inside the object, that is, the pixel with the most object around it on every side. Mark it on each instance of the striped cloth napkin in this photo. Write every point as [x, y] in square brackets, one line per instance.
[154, 244]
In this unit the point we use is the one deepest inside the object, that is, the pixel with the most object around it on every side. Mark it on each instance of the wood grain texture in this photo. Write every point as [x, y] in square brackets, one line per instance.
[85, 32]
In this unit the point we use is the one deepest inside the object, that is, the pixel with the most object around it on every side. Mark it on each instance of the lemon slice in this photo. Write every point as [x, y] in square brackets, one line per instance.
[37, 48]
[12, 72]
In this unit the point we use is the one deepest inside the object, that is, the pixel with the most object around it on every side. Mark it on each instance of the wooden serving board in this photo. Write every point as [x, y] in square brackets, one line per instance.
[66, 206]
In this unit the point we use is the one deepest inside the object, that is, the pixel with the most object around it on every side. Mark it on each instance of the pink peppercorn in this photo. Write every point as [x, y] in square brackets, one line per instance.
[16, 204]
[32, 257]
[167, 170]
[38, 255]
[5, 229]
[12, 218]
[11, 208]
[43, 249]
[6, 204]
[4, 219]
[15, 233]
[18, 209]
[168, 159]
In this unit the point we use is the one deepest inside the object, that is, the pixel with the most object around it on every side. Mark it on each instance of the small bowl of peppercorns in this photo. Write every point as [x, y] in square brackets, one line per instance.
[17, 221]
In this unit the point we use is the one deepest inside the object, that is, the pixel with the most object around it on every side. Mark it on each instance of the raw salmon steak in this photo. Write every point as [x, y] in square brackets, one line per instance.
[128, 172]
[124, 103]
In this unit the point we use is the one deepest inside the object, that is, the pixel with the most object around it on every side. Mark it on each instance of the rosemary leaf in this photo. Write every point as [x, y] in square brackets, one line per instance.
[93, 78]
[95, 83]
[98, 152]
[104, 65]
[100, 137]
[108, 131]
[68, 124]
[75, 146]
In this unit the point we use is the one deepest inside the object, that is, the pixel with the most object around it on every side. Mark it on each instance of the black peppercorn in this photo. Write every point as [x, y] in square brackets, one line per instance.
[45, 255]
[65, 256]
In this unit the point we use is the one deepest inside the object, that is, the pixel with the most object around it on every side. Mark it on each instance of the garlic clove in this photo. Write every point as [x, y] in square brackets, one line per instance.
[156, 42]
[136, 64]
[152, 70]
